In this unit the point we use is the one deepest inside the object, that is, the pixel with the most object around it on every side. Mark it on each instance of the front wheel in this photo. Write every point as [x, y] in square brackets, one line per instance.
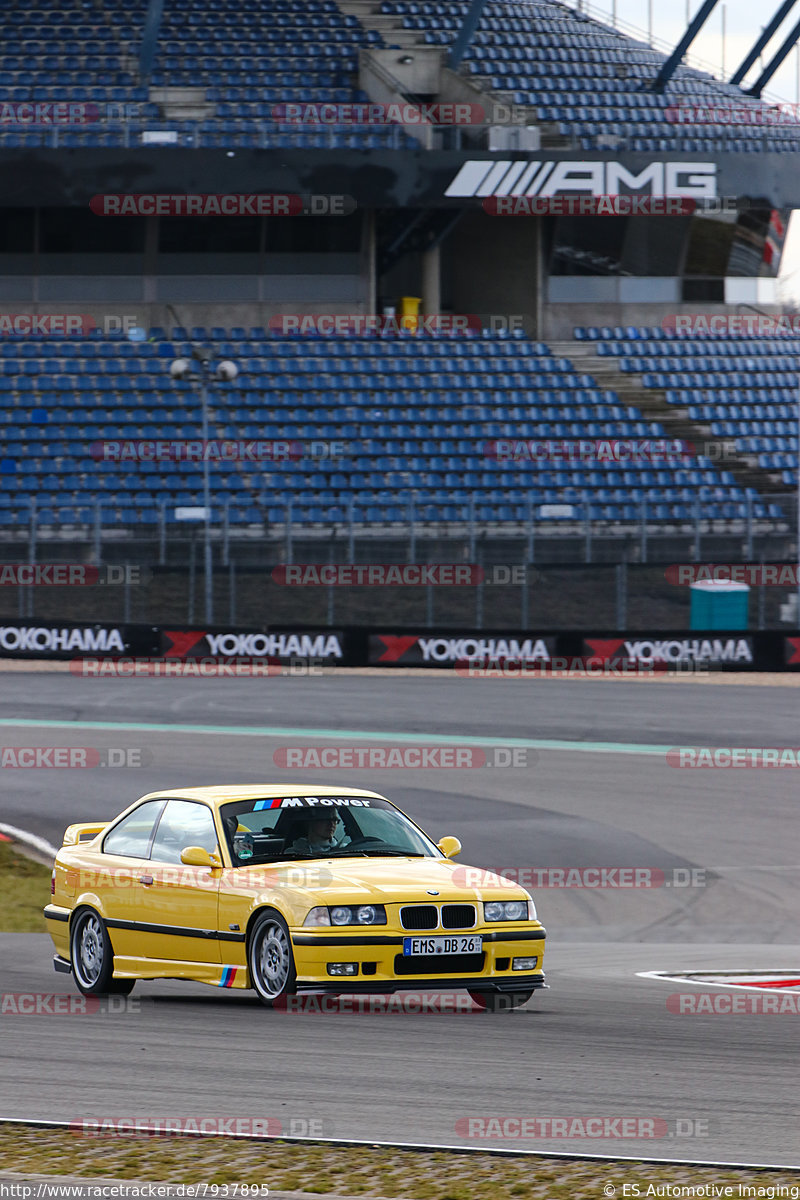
[500, 1001]
[92, 957]
[271, 959]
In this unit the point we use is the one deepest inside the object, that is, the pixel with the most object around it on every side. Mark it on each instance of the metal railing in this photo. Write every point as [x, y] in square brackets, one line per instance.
[562, 517]
[164, 582]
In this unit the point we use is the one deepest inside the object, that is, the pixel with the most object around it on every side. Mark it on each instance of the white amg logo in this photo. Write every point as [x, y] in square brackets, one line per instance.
[523, 177]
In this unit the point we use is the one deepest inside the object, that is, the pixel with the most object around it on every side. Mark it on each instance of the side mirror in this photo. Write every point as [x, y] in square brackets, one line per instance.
[449, 846]
[196, 856]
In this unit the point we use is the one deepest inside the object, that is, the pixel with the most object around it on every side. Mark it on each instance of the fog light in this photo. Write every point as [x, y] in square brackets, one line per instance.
[524, 964]
[342, 968]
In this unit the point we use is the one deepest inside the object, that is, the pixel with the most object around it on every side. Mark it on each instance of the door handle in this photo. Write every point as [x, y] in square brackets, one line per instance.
[146, 880]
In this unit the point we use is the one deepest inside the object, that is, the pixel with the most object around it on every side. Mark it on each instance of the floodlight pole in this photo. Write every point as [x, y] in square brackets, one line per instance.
[202, 358]
[206, 496]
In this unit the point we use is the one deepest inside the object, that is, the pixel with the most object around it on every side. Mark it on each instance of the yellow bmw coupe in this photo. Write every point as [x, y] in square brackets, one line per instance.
[285, 890]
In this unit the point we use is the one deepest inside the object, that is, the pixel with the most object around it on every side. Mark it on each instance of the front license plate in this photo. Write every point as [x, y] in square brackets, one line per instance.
[442, 945]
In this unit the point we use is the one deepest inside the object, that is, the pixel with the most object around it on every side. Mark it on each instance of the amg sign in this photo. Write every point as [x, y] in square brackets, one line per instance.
[523, 177]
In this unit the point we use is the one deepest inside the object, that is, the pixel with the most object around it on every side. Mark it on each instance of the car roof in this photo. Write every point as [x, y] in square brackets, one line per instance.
[218, 795]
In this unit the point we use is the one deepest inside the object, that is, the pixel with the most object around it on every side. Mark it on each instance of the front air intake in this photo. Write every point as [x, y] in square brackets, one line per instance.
[419, 916]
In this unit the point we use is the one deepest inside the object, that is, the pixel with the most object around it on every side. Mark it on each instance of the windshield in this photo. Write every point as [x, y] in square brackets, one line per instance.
[296, 827]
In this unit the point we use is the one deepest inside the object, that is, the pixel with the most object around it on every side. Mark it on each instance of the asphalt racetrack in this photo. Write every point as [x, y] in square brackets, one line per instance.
[593, 788]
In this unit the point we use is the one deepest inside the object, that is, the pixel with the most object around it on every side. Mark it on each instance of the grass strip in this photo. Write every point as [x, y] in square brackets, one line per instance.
[361, 1171]
[24, 891]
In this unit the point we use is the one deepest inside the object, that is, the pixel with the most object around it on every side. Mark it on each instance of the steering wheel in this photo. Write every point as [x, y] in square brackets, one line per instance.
[362, 841]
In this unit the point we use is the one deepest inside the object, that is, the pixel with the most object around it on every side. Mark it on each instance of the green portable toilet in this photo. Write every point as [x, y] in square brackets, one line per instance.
[719, 604]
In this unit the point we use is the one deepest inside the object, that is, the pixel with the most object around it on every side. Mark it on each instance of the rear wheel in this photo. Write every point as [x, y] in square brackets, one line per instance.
[92, 957]
[271, 959]
[500, 1001]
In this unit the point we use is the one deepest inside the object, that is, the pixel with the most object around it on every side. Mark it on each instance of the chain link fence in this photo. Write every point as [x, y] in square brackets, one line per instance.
[550, 573]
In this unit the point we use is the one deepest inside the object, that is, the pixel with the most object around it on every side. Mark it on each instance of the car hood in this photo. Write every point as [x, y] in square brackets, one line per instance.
[405, 879]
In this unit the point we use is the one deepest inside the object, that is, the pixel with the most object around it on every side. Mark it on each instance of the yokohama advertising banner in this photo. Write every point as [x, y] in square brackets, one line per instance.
[433, 648]
[276, 645]
[47, 638]
[712, 649]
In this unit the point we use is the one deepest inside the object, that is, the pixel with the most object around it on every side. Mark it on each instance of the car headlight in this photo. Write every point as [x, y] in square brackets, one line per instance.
[318, 916]
[347, 914]
[507, 910]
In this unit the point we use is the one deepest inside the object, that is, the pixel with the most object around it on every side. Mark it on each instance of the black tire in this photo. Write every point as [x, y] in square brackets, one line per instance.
[500, 1001]
[270, 959]
[121, 987]
[92, 957]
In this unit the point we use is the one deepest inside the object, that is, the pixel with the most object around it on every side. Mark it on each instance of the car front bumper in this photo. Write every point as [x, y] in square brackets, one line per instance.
[381, 966]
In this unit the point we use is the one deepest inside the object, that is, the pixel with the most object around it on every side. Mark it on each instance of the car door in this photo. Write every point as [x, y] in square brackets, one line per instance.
[123, 860]
[177, 910]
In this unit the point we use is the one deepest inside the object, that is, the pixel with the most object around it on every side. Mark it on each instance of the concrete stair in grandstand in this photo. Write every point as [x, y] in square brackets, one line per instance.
[652, 403]
[389, 27]
[182, 103]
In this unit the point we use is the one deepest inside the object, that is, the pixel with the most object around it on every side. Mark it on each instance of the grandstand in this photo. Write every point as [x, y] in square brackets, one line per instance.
[415, 417]
[417, 414]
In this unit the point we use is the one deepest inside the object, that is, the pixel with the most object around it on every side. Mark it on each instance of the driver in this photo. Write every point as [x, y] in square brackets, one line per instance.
[320, 835]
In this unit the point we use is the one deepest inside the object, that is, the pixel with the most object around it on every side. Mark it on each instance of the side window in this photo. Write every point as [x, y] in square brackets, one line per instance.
[132, 836]
[184, 823]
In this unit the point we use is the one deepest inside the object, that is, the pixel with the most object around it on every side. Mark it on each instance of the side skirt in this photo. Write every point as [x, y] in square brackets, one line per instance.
[215, 974]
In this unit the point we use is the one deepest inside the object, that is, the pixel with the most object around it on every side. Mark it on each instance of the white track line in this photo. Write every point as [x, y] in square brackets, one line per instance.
[425, 1147]
[664, 977]
[29, 839]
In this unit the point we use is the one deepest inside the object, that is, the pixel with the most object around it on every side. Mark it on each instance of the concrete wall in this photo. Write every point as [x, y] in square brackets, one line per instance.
[494, 266]
[559, 320]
